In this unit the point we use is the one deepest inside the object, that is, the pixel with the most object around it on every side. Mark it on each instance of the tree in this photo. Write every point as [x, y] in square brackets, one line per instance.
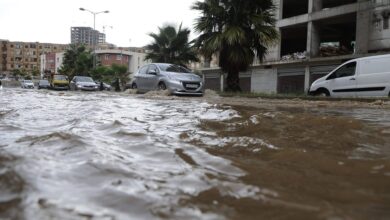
[35, 72]
[237, 31]
[77, 61]
[116, 74]
[171, 46]
[16, 73]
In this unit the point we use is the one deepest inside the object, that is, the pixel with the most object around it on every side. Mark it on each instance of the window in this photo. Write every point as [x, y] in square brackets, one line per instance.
[344, 71]
[107, 57]
[386, 23]
[153, 68]
[143, 70]
[119, 57]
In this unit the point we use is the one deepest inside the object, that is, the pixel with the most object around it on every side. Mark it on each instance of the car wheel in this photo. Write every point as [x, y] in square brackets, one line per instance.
[134, 86]
[322, 93]
[162, 86]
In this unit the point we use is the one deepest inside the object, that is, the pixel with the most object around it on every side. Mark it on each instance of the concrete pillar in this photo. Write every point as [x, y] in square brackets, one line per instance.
[313, 40]
[362, 30]
[222, 82]
[279, 12]
[315, 5]
[279, 16]
[307, 78]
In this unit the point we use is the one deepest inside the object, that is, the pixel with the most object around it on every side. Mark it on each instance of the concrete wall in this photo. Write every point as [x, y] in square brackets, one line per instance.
[379, 34]
[264, 81]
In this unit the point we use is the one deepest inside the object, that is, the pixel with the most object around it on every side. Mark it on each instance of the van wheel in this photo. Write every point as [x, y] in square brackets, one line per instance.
[162, 86]
[134, 86]
[323, 93]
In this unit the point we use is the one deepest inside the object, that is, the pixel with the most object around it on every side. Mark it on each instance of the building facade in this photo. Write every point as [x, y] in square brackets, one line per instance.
[50, 63]
[87, 36]
[25, 55]
[133, 58]
[315, 37]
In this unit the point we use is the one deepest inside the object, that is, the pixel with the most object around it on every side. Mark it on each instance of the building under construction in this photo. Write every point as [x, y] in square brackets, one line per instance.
[315, 37]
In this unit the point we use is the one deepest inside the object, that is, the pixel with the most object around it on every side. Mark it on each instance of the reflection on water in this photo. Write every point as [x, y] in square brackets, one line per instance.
[114, 156]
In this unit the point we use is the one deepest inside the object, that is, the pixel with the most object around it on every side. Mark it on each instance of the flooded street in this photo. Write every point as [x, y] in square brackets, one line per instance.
[80, 155]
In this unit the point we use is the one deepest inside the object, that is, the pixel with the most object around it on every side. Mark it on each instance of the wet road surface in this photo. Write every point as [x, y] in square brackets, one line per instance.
[75, 155]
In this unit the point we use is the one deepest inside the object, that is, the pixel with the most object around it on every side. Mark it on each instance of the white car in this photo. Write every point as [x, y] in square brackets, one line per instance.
[27, 84]
[362, 77]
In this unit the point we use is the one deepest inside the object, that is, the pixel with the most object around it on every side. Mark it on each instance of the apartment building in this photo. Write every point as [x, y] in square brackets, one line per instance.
[315, 37]
[24, 55]
[87, 36]
[50, 63]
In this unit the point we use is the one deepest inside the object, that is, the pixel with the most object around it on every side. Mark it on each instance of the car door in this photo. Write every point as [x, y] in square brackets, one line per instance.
[373, 77]
[140, 78]
[342, 82]
[151, 79]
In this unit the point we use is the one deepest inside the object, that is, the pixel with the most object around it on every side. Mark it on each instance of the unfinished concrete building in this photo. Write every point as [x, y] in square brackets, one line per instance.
[315, 37]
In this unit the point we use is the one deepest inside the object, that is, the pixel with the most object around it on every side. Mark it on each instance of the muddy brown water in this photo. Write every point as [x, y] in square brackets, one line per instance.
[74, 155]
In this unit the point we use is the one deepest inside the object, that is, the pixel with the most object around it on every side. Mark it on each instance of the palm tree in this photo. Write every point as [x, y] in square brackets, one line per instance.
[237, 31]
[171, 46]
[77, 61]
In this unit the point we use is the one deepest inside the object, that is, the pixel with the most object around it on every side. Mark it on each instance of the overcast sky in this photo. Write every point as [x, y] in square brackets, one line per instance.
[127, 24]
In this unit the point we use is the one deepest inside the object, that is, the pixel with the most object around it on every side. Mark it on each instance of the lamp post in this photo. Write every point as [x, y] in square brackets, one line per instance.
[94, 30]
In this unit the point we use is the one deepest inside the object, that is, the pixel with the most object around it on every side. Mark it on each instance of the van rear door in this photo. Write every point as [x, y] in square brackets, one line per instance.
[342, 82]
[373, 77]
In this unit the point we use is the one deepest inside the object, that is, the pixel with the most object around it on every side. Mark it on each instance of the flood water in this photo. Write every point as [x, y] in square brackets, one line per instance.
[75, 155]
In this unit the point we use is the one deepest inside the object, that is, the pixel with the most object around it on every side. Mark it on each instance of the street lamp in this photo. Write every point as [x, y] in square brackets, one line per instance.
[94, 38]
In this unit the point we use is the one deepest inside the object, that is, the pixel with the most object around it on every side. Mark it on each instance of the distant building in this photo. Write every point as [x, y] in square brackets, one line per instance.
[122, 56]
[87, 36]
[25, 55]
[50, 63]
[315, 37]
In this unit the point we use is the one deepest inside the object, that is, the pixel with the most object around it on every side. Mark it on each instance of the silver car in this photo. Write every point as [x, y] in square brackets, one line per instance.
[161, 76]
[83, 83]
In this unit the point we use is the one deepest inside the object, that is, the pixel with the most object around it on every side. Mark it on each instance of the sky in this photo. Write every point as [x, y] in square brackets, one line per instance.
[127, 24]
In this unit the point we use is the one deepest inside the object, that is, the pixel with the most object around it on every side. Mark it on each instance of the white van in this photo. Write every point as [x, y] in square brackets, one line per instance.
[362, 77]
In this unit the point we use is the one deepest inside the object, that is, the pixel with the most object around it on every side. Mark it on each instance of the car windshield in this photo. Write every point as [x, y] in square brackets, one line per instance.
[43, 82]
[60, 77]
[27, 81]
[173, 68]
[84, 79]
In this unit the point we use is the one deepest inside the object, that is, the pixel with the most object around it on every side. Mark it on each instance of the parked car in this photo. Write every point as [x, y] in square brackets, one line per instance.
[43, 84]
[103, 86]
[27, 84]
[362, 77]
[161, 76]
[83, 83]
[58, 81]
